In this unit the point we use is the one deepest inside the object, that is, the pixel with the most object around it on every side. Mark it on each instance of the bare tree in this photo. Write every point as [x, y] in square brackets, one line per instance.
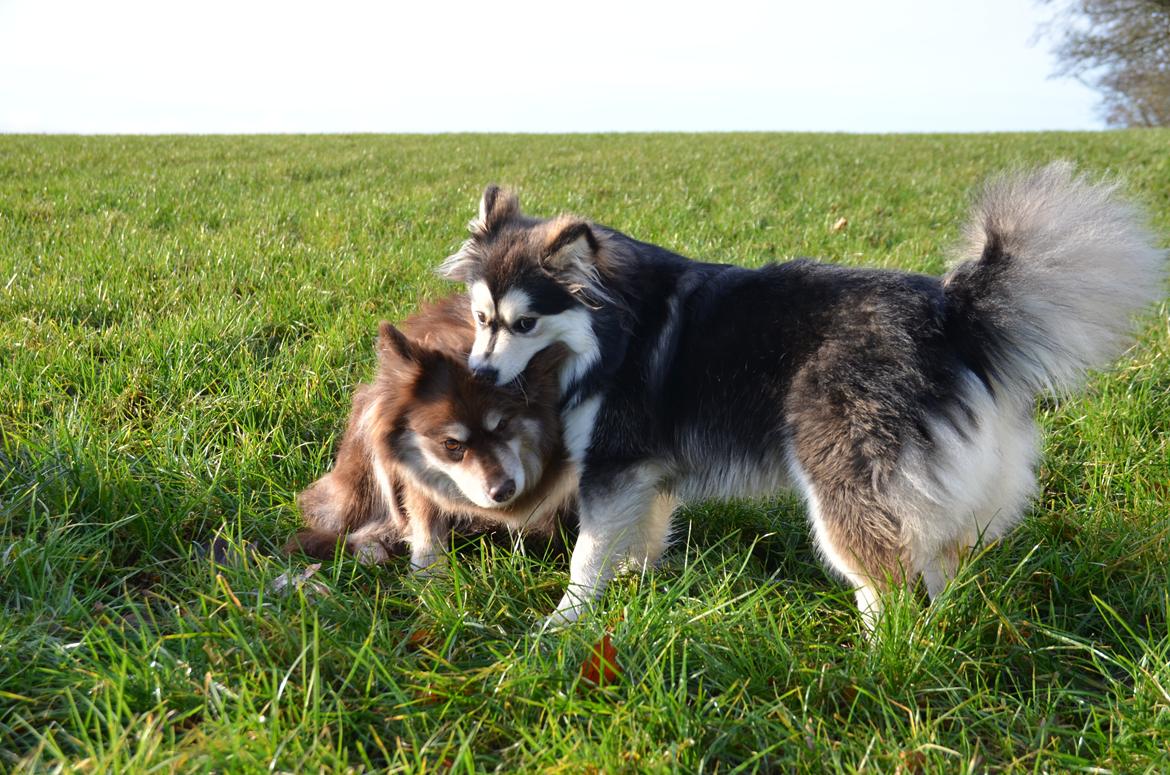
[1121, 47]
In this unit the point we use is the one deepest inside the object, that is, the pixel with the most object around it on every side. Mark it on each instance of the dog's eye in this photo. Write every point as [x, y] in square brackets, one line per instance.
[524, 325]
[482, 318]
[502, 425]
[454, 449]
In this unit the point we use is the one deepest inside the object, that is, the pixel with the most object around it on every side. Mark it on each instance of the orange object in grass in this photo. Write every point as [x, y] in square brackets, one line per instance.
[601, 666]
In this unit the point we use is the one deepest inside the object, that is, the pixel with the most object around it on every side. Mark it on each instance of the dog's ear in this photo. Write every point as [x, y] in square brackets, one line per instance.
[461, 265]
[572, 255]
[542, 375]
[495, 207]
[395, 347]
[570, 242]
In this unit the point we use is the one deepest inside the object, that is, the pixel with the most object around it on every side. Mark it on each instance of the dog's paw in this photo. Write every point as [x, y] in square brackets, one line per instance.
[551, 624]
[568, 611]
[429, 565]
[370, 553]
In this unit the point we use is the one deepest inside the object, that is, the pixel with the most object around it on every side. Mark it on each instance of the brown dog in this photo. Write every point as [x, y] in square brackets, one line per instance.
[428, 446]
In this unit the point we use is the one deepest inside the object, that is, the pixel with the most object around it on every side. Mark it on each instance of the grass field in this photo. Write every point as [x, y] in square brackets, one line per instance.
[182, 321]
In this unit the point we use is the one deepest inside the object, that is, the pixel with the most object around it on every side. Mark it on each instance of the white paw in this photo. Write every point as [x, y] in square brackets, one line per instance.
[370, 553]
[568, 611]
[426, 565]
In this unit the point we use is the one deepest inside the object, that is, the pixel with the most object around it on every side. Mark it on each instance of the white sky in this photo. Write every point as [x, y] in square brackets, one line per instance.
[347, 66]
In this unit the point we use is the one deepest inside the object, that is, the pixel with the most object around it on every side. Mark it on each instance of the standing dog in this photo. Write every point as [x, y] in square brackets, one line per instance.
[428, 446]
[899, 405]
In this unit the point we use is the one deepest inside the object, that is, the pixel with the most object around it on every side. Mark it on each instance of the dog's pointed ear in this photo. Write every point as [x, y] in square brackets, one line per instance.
[542, 375]
[495, 207]
[571, 245]
[461, 265]
[394, 346]
[572, 254]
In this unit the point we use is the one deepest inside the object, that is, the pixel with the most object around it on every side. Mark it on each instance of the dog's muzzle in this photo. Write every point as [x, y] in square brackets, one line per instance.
[500, 493]
[486, 374]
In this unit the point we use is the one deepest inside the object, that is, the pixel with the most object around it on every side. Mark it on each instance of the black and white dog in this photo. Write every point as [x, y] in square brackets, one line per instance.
[899, 405]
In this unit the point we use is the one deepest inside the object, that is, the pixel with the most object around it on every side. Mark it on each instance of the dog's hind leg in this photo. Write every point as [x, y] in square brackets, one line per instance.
[617, 517]
[868, 560]
[938, 572]
[970, 487]
[859, 537]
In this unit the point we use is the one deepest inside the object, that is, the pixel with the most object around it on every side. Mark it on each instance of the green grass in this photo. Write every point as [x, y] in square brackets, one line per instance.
[182, 321]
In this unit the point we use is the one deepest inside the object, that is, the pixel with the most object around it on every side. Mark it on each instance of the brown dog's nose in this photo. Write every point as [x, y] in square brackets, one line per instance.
[503, 491]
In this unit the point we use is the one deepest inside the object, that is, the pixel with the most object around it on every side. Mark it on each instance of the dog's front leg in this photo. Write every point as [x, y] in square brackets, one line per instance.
[615, 517]
[427, 531]
[427, 554]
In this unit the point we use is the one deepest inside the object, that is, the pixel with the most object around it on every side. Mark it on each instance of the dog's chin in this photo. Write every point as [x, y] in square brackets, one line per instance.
[507, 378]
[507, 373]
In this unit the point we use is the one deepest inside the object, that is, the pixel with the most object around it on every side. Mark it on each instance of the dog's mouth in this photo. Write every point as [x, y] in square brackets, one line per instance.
[494, 368]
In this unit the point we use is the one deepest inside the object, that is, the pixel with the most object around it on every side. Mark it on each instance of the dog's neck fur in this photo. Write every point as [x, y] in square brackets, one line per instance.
[633, 265]
[584, 373]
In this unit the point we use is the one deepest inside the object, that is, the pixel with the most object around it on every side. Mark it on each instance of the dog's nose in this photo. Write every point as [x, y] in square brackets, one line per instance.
[485, 374]
[503, 491]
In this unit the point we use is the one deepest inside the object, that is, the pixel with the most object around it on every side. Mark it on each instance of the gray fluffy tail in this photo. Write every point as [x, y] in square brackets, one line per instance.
[1053, 270]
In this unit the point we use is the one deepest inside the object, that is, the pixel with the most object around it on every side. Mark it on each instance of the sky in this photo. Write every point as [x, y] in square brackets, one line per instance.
[173, 66]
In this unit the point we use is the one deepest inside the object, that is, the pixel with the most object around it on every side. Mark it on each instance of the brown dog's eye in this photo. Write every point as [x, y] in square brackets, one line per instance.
[482, 318]
[452, 445]
[524, 325]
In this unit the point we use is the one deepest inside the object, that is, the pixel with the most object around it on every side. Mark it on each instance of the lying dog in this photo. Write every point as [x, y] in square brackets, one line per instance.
[899, 405]
[427, 447]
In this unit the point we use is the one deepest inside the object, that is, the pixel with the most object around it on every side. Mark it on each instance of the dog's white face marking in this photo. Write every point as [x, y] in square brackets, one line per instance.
[526, 444]
[491, 420]
[481, 301]
[508, 455]
[468, 477]
[458, 431]
[469, 474]
[503, 343]
[513, 306]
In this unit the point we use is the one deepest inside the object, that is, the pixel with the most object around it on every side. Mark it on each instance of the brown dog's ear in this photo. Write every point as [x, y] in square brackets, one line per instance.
[542, 375]
[495, 206]
[393, 345]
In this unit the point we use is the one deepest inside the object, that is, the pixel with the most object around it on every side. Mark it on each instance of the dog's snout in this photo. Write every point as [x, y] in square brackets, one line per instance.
[503, 491]
[485, 374]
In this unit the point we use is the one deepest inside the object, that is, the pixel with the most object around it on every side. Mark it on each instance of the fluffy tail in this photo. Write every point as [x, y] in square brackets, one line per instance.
[1053, 271]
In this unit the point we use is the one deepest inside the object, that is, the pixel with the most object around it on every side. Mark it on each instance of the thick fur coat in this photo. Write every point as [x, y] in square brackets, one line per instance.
[428, 447]
[899, 405]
